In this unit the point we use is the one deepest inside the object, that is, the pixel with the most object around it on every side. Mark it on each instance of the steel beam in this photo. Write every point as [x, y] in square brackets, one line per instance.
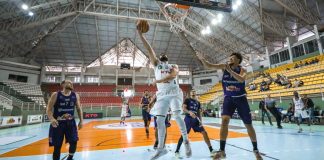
[301, 11]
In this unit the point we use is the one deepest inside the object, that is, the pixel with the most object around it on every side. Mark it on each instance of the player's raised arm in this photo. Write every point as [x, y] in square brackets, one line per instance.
[152, 54]
[209, 65]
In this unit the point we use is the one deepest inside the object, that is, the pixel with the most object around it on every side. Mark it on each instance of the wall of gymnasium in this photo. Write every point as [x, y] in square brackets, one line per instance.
[214, 76]
[7, 67]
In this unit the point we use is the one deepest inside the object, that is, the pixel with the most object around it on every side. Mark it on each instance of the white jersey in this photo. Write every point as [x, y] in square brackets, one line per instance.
[161, 71]
[299, 104]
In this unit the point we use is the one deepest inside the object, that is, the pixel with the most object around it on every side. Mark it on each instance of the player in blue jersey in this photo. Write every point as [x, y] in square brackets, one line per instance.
[193, 119]
[145, 111]
[60, 111]
[233, 83]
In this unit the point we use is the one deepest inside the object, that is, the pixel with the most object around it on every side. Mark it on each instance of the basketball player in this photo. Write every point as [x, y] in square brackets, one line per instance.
[62, 119]
[193, 111]
[124, 111]
[145, 114]
[300, 112]
[168, 95]
[233, 83]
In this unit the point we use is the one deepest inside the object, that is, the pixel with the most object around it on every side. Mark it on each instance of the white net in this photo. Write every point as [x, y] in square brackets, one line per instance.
[175, 17]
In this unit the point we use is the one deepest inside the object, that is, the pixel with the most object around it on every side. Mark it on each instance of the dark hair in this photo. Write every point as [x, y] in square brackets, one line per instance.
[62, 82]
[163, 57]
[237, 55]
[145, 90]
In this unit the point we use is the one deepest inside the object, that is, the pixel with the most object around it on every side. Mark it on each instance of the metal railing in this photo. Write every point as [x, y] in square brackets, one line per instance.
[22, 105]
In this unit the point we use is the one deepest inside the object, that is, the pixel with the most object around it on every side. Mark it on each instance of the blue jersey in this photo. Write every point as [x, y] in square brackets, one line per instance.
[231, 86]
[145, 100]
[192, 105]
[64, 106]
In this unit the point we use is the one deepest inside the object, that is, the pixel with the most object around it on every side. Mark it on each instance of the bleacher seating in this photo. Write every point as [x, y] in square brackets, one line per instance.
[32, 91]
[81, 88]
[311, 75]
[14, 93]
[94, 94]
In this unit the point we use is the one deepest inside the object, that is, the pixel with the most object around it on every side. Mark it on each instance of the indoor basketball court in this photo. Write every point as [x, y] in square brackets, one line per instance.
[106, 79]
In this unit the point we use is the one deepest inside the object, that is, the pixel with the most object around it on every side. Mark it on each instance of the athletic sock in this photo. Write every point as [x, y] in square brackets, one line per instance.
[222, 145]
[210, 148]
[255, 146]
[70, 157]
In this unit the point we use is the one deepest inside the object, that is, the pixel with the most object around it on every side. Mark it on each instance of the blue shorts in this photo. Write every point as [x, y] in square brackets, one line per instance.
[146, 116]
[194, 124]
[241, 104]
[67, 129]
[167, 122]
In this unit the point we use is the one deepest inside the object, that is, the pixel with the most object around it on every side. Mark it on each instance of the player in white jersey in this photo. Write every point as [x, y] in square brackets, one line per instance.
[124, 111]
[300, 111]
[168, 95]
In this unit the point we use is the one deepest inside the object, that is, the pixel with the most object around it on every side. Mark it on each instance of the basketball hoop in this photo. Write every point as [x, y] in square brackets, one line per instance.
[176, 19]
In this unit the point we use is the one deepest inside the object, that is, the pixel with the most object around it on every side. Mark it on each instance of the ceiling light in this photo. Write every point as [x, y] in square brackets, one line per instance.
[24, 6]
[220, 16]
[203, 32]
[235, 7]
[208, 30]
[238, 2]
[214, 21]
[30, 13]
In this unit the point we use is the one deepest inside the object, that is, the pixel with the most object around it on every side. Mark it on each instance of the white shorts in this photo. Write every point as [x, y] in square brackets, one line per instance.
[166, 99]
[301, 113]
[123, 114]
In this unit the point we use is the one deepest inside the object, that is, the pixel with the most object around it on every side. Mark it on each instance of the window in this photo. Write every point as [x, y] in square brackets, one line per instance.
[128, 52]
[311, 46]
[17, 78]
[284, 55]
[274, 59]
[53, 68]
[73, 69]
[298, 51]
[92, 79]
[205, 81]
[50, 79]
[184, 73]
[322, 41]
[77, 79]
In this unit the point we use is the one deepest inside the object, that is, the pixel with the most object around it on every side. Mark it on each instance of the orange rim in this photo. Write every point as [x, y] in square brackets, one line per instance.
[180, 6]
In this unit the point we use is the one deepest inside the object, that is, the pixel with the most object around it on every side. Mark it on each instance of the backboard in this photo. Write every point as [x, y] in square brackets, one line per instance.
[219, 5]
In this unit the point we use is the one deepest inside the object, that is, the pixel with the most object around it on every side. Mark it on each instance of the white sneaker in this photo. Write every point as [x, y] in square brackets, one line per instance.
[158, 153]
[187, 149]
[177, 155]
[213, 153]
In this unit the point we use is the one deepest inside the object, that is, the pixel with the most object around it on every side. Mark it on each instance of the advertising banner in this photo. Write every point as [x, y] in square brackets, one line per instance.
[92, 115]
[6, 121]
[34, 119]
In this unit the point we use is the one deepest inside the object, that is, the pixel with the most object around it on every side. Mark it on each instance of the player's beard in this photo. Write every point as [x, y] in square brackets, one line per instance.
[69, 88]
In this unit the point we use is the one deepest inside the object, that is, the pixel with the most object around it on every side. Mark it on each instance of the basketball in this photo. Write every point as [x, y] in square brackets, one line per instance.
[143, 26]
